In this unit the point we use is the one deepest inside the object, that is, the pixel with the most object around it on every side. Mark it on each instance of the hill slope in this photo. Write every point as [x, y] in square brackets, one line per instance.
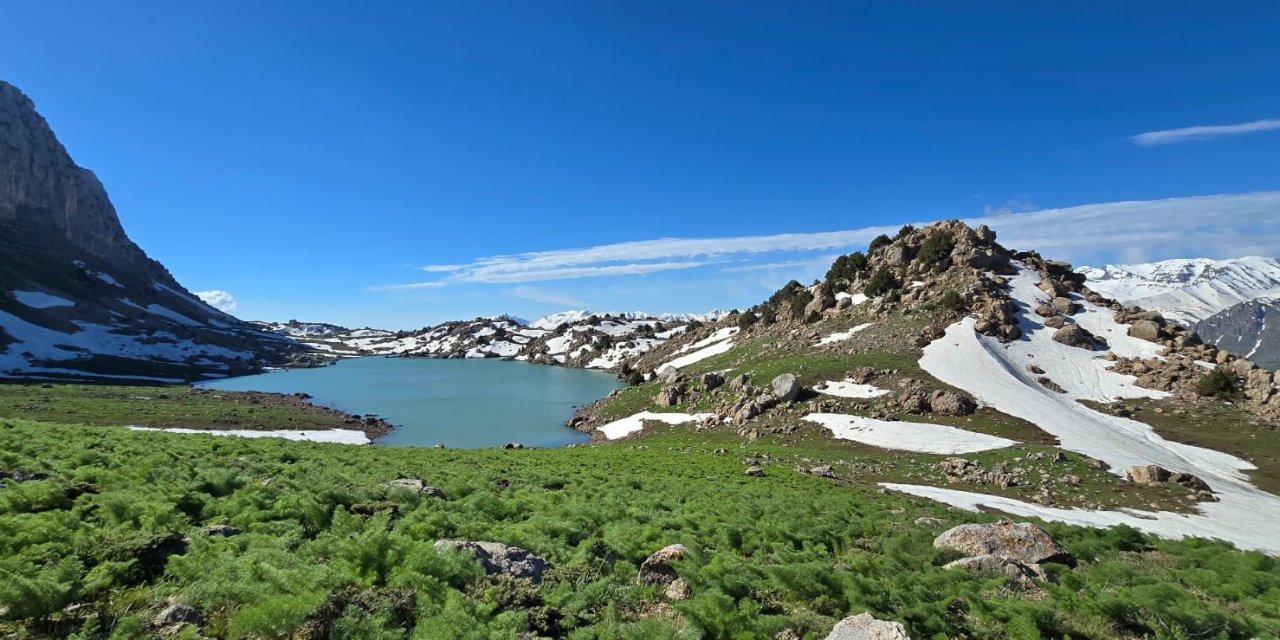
[78, 299]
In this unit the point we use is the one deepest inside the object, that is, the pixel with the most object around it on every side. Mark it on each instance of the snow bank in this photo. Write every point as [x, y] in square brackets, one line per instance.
[996, 374]
[41, 300]
[634, 423]
[854, 298]
[713, 345]
[907, 436]
[843, 335]
[332, 436]
[849, 389]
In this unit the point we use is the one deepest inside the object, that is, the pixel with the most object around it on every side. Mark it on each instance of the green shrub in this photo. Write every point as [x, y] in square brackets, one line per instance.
[1220, 382]
[879, 242]
[936, 249]
[799, 302]
[905, 231]
[951, 301]
[746, 319]
[880, 283]
[846, 268]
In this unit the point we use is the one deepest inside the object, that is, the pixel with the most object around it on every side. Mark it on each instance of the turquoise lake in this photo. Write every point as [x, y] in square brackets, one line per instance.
[464, 404]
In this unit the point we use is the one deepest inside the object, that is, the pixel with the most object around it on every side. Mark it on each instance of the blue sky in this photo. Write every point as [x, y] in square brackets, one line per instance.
[311, 158]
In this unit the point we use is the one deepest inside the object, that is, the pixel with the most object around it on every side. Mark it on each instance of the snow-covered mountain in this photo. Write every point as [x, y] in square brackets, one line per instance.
[1250, 328]
[573, 338]
[1187, 291]
[578, 315]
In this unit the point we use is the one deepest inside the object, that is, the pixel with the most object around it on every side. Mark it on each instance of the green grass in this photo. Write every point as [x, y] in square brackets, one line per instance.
[781, 552]
[162, 406]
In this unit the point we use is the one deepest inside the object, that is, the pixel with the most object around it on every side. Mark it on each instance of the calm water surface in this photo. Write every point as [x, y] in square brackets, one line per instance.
[462, 403]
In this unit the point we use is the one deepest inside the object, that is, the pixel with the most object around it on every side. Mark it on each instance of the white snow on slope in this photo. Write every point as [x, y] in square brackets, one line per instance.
[713, 345]
[634, 423]
[332, 436]
[907, 436]
[854, 298]
[172, 315]
[996, 375]
[41, 300]
[849, 389]
[1187, 291]
[843, 335]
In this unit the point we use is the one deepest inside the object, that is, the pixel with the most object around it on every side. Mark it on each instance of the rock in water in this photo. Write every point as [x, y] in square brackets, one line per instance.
[786, 388]
[498, 558]
[1021, 541]
[865, 627]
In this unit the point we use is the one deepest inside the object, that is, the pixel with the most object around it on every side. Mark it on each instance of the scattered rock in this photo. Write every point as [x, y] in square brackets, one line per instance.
[929, 522]
[949, 403]
[755, 472]
[822, 471]
[865, 627]
[1146, 330]
[1073, 335]
[409, 484]
[1022, 541]
[1014, 569]
[678, 590]
[786, 388]
[176, 614]
[221, 531]
[669, 396]
[498, 558]
[1147, 474]
[658, 568]
[711, 381]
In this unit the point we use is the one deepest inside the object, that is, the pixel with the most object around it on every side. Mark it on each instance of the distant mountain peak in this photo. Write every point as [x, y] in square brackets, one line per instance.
[1187, 290]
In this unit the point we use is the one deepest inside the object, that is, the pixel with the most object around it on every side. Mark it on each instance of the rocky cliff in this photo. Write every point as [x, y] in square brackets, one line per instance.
[78, 299]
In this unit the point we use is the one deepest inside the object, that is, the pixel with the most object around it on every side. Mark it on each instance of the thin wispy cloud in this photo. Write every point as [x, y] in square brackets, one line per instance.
[1189, 134]
[1209, 226]
[538, 295]
[412, 286]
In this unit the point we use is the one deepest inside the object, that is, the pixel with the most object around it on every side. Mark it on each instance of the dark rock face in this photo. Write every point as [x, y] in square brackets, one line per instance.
[1251, 328]
[60, 239]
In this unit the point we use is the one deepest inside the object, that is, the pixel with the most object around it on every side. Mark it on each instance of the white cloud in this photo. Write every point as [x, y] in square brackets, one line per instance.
[538, 295]
[412, 286]
[1187, 134]
[1215, 226]
[220, 300]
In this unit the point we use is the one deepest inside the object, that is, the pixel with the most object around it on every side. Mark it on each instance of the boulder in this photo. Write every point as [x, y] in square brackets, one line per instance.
[221, 531]
[409, 484]
[738, 383]
[678, 590]
[1013, 569]
[755, 472]
[1055, 322]
[865, 627]
[1146, 330]
[1147, 474]
[658, 568]
[1065, 306]
[711, 381]
[669, 396]
[786, 388]
[949, 403]
[176, 614]
[1073, 335]
[500, 559]
[821, 302]
[1021, 541]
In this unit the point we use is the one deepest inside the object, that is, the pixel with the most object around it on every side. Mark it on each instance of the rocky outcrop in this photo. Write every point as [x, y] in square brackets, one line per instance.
[1023, 542]
[786, 388]
[121, 312]
[865, 627]
[1150, 474]
[499, 559]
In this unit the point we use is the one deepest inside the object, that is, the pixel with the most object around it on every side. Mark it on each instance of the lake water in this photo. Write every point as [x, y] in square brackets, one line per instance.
[461, 403]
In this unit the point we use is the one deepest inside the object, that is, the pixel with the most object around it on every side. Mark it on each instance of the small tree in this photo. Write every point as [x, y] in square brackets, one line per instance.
[799, 302]
[936, 248]
[635, 378]
[1221, 382]
[745, 320]
[951, 301]
[905, 231]
[880, 283]
[879, 242]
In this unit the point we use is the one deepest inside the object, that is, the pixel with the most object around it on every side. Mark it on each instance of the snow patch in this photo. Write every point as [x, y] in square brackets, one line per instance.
[332, 436]
[907, 436]
[843, 335]
[849, 389]
[634, 423]
[41, 300]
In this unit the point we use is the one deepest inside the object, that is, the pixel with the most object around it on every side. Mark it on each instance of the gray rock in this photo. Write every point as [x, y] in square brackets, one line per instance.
[711, 381]
[1022, 541]
[755, 472]
[1146, 330]
[1014, 569]
[786, 388]
[678, 590]
[948, 403]
[221, 531]
[865, 627]
[1147, 474]
[498, 558]
[176, 614]
[658, 568]
[408, 484]
[1073, 335]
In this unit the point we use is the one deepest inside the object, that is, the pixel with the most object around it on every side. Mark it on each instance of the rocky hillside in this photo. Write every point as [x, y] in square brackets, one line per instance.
[1251, 328]
[573, 338]
[78, 299]
[940, 342]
